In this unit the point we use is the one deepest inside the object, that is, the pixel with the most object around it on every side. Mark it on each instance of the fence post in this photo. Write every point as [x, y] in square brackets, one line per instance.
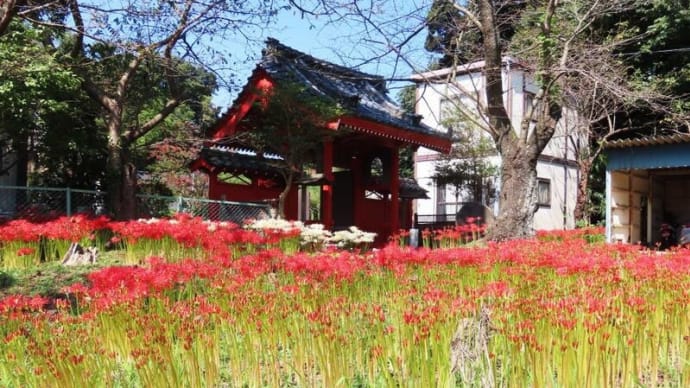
[179, 204]
[68, 199]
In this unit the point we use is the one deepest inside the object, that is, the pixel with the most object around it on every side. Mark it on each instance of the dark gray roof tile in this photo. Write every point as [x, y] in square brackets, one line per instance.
[363, 95]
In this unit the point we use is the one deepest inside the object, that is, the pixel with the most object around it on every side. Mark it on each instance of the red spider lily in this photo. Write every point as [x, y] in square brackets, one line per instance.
[25, 251]
[73, 228]
[496, 290]
[75, 289]
[20, 230]
[18, 303]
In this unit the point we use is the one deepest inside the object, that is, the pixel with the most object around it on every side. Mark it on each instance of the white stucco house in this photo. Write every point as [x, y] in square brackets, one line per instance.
[458, 91]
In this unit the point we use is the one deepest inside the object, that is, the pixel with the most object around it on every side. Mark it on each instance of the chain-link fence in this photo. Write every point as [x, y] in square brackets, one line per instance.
[46, 202]
[40, 203]
[158, 206]
[433, 221]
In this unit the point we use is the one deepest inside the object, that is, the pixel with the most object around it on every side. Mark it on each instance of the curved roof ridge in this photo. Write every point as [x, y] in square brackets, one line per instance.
[273, 47]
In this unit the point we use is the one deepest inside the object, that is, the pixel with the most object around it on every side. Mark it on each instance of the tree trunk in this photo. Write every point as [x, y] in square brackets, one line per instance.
[121, 172]
[518, 196]
[114, 167]
[6, 13]
[122, 184]
[282, 197]
[581, 213]
[128, 188]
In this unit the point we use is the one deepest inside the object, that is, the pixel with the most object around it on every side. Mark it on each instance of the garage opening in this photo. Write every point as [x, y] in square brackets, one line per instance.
[645, 203]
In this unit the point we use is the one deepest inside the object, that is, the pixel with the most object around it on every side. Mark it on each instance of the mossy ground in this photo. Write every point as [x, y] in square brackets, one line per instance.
[49, 278]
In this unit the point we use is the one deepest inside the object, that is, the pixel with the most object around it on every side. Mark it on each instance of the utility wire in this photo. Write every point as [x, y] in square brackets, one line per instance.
[675, 50]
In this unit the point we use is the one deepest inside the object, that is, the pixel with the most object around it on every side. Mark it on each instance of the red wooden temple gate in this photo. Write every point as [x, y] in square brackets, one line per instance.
[358, 181]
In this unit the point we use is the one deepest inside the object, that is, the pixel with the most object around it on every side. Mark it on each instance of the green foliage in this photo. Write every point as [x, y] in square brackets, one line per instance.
[166, 152]
[662, 58]
[444, 34]
[43, 113]
[291, 122]
[596, 191]
[407, 96]
[150, 89]
[7, 280]
[46, 117]
[457, 39]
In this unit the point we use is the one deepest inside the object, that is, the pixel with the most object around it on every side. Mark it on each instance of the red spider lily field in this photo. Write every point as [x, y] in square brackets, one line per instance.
[195, 304]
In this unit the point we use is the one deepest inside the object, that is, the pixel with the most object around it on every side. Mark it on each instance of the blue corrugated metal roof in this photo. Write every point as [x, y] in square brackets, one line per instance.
[649, 157]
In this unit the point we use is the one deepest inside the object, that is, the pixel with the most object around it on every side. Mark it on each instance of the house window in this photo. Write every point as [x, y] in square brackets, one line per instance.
[528, 104]
[440, 198]
[544, 192]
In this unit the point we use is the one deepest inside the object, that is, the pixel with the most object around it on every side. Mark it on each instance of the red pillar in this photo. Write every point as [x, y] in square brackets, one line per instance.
[357, 190]
[395, 190]
[327, 188]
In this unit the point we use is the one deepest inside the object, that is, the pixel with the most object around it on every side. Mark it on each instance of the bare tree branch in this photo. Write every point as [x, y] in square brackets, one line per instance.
[7, 11]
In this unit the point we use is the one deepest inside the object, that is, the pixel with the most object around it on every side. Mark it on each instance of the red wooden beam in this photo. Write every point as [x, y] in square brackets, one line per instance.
[327, 189]
[259, 85]
[395, 190]
[426, 140]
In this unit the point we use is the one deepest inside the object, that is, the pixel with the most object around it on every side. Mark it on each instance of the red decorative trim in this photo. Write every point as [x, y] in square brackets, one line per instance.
[227, 125]
[370, 127]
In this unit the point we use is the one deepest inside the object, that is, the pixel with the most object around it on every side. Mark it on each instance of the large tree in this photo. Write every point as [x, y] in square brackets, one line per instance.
[46, 122]
[554, 40]
[136, 38]
[114, 46]
[559, 37]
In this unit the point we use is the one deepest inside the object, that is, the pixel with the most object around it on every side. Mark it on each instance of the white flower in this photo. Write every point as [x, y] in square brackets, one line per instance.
[152, 220]
[352, 237]
[274, 224]
[314, 234]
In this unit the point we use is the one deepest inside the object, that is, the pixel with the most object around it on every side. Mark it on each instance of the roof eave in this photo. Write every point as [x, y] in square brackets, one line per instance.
[458, 70]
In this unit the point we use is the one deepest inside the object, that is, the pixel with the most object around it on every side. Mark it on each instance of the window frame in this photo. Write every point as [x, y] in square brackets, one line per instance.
[540, 182]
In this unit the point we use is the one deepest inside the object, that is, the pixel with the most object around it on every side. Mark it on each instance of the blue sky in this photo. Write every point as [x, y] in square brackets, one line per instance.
[346, 42]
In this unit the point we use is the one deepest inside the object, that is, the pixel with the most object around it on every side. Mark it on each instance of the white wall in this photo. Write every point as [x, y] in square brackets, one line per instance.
[434, 87]
[563, 182]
